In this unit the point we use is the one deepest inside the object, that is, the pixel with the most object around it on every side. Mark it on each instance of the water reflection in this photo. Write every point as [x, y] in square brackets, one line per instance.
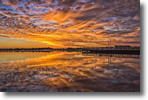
[68, 71]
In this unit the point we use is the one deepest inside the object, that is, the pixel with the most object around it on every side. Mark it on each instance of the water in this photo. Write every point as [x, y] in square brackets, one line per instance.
[68, 71]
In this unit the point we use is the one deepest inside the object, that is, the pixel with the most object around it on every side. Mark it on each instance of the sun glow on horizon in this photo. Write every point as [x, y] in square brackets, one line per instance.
[67, 23]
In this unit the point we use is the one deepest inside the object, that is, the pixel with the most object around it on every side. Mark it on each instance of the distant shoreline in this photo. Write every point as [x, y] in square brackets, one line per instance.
[111, 50]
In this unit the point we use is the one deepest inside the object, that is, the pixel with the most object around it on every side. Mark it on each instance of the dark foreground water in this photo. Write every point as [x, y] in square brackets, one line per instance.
[68, 71]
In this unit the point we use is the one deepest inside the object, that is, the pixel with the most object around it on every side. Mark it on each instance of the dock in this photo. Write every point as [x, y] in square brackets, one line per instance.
[113, 50]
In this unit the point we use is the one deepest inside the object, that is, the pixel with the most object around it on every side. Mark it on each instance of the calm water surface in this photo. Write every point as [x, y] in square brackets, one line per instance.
[68, 71]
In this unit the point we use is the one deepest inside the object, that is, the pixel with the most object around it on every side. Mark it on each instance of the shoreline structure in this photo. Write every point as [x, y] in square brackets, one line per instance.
[113, 50]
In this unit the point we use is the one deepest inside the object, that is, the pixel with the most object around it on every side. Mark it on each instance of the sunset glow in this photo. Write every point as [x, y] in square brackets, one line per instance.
[69, 23]
[70, 46]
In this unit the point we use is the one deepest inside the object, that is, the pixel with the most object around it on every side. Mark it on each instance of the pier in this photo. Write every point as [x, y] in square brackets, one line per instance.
[113, 50]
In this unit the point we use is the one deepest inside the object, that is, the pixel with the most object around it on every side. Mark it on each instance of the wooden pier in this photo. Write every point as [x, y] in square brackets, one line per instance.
[113, 50]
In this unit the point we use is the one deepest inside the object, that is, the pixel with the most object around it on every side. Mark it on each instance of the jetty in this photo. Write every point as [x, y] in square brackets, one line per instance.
[113, 50]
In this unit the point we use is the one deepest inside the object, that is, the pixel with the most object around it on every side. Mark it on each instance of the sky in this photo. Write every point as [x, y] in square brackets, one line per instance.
[69, 23]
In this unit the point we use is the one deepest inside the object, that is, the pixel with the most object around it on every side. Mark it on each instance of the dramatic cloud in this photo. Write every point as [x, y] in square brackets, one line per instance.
[72, 23]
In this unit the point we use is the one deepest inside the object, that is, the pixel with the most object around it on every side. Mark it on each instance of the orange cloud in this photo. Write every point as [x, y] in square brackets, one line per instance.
[66, 23]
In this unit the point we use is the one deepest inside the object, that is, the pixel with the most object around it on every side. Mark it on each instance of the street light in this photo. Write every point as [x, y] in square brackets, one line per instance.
[109, 42]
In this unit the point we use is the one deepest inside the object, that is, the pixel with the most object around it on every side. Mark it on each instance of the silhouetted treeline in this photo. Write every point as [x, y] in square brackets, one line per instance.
[40, 49]
[116, 49]
[27, 49]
